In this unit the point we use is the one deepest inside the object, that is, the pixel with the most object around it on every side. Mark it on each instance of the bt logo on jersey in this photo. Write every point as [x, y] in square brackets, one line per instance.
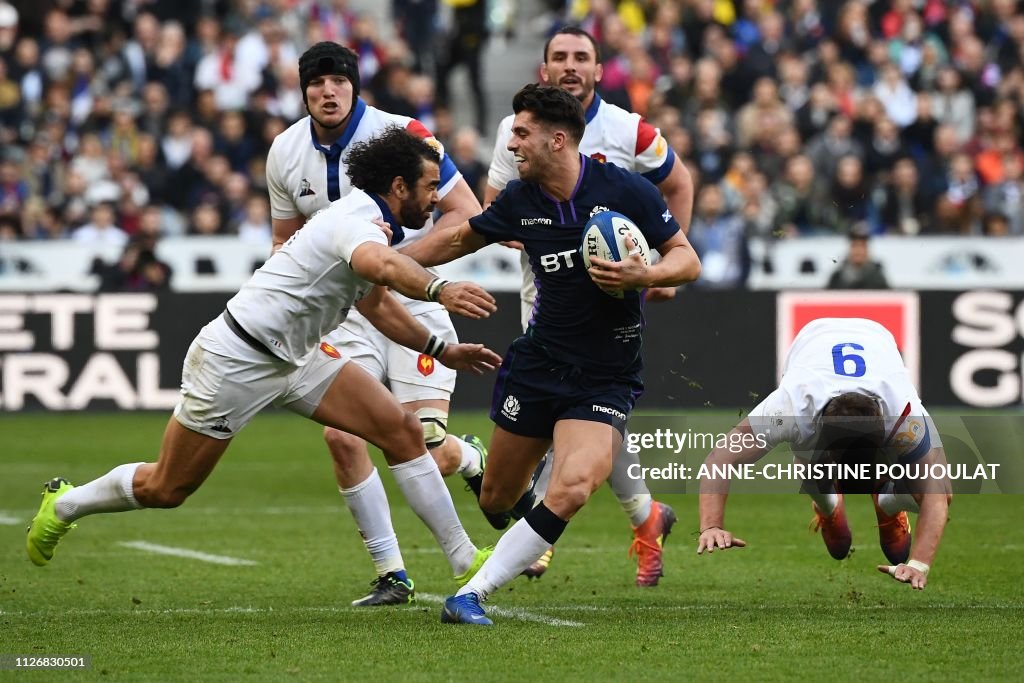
[553, 262]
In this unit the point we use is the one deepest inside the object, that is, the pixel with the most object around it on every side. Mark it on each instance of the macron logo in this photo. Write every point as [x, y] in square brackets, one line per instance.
[608, 411]
[535, 221]
[667, 216]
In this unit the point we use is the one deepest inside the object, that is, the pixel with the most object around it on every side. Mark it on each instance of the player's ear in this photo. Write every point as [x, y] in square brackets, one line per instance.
[598, 73]
[544, 76]
[558, 139]
[399, 188]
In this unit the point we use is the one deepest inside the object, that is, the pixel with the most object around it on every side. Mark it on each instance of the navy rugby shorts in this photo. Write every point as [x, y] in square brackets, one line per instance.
[533, 391]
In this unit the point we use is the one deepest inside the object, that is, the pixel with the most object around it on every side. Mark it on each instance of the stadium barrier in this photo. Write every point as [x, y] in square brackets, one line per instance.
[223, 264]
[73, 351]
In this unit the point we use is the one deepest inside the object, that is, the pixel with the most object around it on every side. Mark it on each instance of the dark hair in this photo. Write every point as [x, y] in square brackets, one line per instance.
[327, 58]
[552, 105]
[373, 164]
[851, 432]
[574, 31]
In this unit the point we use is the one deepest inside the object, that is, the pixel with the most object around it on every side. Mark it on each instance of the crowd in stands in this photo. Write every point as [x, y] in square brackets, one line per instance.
[125, 121]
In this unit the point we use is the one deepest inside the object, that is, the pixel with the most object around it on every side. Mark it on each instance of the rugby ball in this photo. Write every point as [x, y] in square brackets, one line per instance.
[604, 237]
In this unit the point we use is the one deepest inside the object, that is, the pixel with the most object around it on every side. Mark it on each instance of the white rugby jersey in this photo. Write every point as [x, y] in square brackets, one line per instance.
[307, 287]
[833, 356]
[612, 135]
[303, 176]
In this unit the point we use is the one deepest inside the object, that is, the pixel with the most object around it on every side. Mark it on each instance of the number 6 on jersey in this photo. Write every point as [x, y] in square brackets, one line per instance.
[840, 360]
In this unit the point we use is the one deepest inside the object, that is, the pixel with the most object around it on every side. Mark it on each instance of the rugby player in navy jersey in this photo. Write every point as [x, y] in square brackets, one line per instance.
[573, 377]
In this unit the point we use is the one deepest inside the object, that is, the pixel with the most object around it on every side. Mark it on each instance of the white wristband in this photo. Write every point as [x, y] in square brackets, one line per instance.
[919, 566]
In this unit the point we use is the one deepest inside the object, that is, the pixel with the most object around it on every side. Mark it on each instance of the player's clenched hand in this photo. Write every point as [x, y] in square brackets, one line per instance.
[628, 274]
[716, 537]
[906, 574]
[475, 358]
[467, 299]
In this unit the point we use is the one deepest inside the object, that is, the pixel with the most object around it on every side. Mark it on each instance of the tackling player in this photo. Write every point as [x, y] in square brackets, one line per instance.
[845, 396]
[266, 349]
[572, 61]
[305, 173]
[574, 377]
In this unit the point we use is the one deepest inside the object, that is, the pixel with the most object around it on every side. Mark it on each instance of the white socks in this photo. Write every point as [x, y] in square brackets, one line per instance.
[892, 502]
[368, 504]
[112, 492]
[470, 465]
[637, 508]
[826, 502]
[423, 487]
[632, 494]
[516, 550]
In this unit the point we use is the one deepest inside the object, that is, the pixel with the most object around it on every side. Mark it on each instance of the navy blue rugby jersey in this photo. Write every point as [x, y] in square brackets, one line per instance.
[572, 318]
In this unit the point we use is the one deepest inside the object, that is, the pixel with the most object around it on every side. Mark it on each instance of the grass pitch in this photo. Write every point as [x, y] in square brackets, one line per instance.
[780, 608]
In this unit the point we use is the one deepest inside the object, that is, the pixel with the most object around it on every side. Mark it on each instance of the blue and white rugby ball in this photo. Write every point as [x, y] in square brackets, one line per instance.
[604, 238]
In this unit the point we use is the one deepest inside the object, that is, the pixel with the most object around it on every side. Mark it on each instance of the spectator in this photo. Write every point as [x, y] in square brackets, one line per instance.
[954, 105]
[906, 209]
[850, 203]
[896, 96]
[255, 227]
[995, 225]
[218, 72]
[958, 209]
[415, 21]
[466, 155]
[14, 191]
[836, 142]
[719, 238]
[857, 270]
[464, 45]
[206, 220]
[1006, 198]
[765, 111]
[137, 270]
[802, 203]
[102, 229]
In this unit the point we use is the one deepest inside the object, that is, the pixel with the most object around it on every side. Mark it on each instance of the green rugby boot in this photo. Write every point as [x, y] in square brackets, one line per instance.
[46, 530]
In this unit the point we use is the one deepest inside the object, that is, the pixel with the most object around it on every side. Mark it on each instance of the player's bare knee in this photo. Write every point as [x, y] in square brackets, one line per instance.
[447, 458]
[567, 499]
[341, 445]
[404, 441]
[496, 499]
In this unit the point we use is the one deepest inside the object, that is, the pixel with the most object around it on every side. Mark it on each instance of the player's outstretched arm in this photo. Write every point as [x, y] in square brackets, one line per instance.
[714, 490]
[444, 245]
[396, 323]
[457, 206]
[934, 497]
[383, 265]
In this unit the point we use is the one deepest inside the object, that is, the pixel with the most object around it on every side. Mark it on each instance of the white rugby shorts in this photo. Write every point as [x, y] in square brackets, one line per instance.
[411, 376]
[220, 394]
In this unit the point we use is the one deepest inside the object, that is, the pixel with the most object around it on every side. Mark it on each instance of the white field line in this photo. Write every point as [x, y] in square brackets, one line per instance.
[185, 552]
[7, 519]
[509, 612]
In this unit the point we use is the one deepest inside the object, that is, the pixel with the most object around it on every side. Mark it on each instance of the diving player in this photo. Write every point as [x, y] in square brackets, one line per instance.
[845, 396]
